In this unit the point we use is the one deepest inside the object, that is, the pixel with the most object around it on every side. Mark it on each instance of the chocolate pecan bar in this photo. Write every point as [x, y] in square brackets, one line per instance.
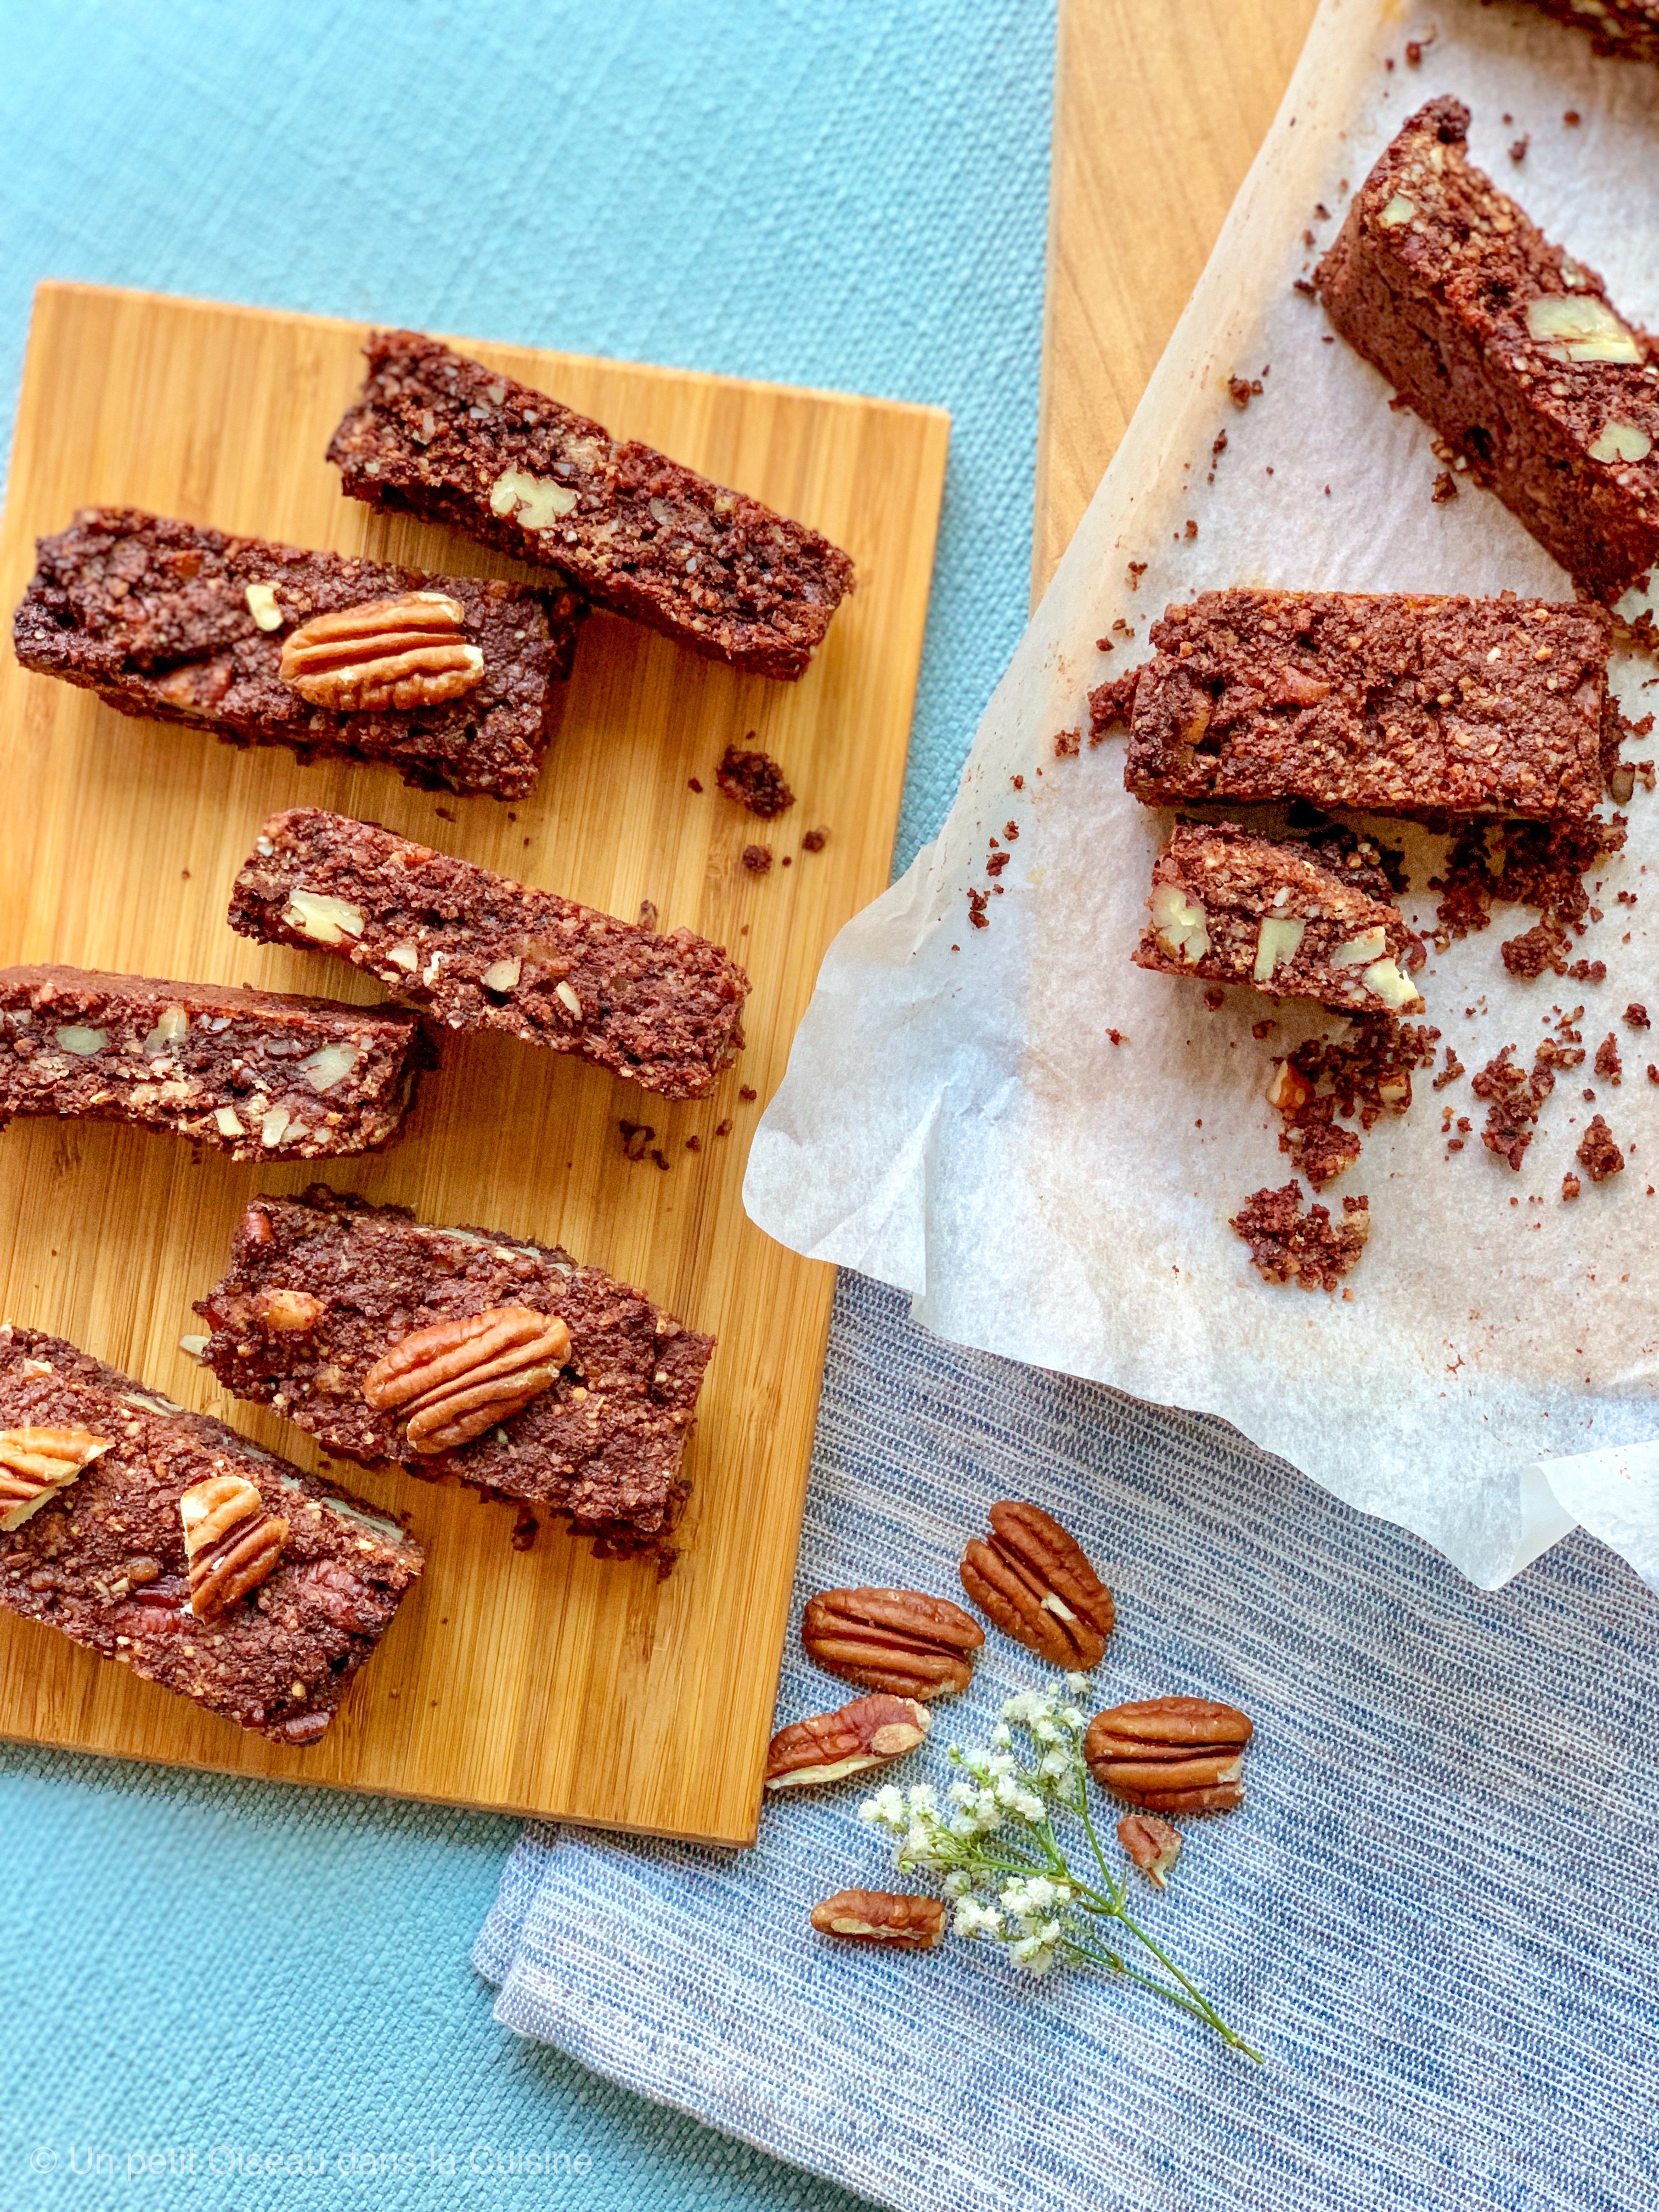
[444, 438]
[477, 952]
[462, 1352]
[163, 1539]
[1510, 349]
[1625, 29]
[1406, 705]
[1235, 909]
[446, 678]
[258, 1074]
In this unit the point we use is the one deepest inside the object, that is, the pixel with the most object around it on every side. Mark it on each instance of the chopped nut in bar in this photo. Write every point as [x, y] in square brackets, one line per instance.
[1236, 908]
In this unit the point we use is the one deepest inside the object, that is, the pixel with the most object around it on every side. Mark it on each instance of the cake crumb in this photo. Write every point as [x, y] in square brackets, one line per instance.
[754, 780]
[1608, 1065]
[758, 859]
[1308, 1249]
[1598, 1155]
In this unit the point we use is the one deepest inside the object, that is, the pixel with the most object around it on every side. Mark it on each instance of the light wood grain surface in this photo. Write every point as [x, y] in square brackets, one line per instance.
[1159, 108]
[538, 1681]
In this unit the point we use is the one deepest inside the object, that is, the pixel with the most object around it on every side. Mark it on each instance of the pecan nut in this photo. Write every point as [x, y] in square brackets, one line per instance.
[1170, 1754]
[892, 1639]
[456, 1379]
[35, 1464]
[877, 1916]
[231, 1543]
[1152, 1843]
[406, 651]
[870, 1732]
[1034, 1580]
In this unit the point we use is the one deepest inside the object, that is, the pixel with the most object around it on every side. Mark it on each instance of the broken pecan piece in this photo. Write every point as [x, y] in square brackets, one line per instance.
[287, 1312]
[877, 1916]
[456, 1379]
[892, 1639]
[1170, 1754]
[406, 651]
[230, 1541]
[1034, 1580]
[1152, 1843]
[869, 1732]
[35, 1464]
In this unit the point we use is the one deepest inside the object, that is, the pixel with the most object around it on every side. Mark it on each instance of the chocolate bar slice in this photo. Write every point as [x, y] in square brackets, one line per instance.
[477, 952]
[100, 1481]
[1624, 29]
[258, 1074]
[462, 1352]
[1235, 909]
[1509, 348]
[1406, 705]
[446, 678]
[444, 438]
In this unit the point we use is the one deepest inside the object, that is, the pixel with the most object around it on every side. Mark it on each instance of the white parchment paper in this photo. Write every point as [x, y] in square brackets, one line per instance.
[958, 1121]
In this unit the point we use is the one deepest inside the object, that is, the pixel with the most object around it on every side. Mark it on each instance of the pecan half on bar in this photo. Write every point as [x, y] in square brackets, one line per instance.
[457, 1378]
[1034, 1580]
[1170, 1754]
[877, 1916]
[892, 1639]
[870, 1732]
[231, 1543]
[410, 651]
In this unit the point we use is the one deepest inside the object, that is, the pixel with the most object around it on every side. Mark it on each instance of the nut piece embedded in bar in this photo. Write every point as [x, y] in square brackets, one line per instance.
[35, 1464]
[1170, 1754]
[877, 1916]
[870, 1732]
[457, 1378]
[231, 1542]
[1034, 1582]
[405, 652]
[1152, 1843]
[892, 1639]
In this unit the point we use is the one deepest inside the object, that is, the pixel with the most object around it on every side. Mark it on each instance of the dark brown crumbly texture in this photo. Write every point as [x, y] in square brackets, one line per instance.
[1623, 29]
[153, 616]
[104, 1561]
[603, 1447]
[1406, 705]
[1218, 889]
[443, 437]
[258, 1074]
[1598, 1155]
[1310, 1249]
[1515, 1101]
[754, 781]
[477, 952]
[1440, 280]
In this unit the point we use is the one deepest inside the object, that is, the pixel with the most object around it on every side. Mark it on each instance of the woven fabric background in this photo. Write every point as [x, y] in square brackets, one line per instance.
[1434, 1913]
[848, 193]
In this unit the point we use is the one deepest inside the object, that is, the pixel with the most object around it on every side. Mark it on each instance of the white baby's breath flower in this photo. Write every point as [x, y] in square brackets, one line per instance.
[1070, 1716]
[958, 1882]
[1002, 1735]
[1077, 1681]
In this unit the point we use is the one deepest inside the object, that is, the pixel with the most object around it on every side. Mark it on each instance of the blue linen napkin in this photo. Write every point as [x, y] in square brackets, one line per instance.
[1434, 1912]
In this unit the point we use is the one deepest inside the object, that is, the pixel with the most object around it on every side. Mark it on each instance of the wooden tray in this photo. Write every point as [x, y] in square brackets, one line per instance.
[538, 1681]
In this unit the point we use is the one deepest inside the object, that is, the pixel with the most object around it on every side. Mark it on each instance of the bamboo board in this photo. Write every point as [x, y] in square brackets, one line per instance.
[1159, 108]
[538, 1681]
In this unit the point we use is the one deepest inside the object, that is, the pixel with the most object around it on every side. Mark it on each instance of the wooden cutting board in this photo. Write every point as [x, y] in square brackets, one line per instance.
[540, 1681]
[1159, 108]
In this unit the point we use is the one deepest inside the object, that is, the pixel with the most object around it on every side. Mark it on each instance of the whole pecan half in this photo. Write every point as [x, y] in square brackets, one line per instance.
[456, 1379]
[877, 1916]
[869, 1732]
[1170, 1754]
[1034, 1580]
[1152, 1843]
[35, 1464]
[892, 1639]
[406, 651]
[231, 1542]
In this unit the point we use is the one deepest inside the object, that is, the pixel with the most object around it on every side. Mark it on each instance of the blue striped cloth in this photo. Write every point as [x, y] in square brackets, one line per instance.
[1434, 1912]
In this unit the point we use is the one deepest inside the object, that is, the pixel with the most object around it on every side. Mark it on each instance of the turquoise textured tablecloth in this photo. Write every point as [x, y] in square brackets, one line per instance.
[205, 1977]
